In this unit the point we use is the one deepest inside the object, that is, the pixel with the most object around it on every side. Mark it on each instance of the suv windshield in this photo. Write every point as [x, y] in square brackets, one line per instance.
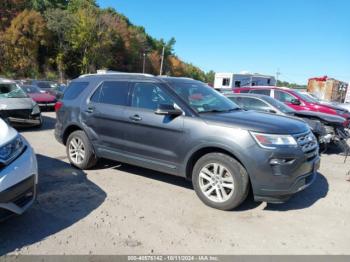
[307, 98]
[47, 85]
[11, 90]
[202, 98]
[280, 106]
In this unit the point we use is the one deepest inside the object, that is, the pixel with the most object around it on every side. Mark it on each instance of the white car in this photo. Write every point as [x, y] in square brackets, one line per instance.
[18, 173]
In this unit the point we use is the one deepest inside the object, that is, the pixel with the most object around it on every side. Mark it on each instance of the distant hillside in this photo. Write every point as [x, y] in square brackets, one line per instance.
[290, 85]
[63, 39]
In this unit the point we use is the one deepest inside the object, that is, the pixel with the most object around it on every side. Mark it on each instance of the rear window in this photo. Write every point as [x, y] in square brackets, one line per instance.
[47, 85]
[74, 90]
[112, 93]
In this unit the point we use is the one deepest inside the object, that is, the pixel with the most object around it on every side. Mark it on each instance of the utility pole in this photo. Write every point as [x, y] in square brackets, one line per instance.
[278, 73]
[144, 62]
[162, 61]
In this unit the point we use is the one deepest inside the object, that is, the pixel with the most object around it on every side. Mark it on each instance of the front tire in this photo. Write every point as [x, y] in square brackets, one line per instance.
[80, 151]
[220, 181]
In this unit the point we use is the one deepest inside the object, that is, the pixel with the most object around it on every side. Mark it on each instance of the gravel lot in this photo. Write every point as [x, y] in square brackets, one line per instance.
[120, 209]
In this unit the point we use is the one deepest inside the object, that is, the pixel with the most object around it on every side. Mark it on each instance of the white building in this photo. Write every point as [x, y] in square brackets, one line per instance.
[231, 80]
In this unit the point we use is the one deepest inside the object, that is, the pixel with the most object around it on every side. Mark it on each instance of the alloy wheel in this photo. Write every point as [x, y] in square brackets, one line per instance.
[216, 182]
[77, 150]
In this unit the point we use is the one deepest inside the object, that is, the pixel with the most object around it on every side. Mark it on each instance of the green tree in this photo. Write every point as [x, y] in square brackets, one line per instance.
[93, 38]
[58, 22]
[42, 5]
[210, 76]
[76, 5]
[8, 10]
[22, 41]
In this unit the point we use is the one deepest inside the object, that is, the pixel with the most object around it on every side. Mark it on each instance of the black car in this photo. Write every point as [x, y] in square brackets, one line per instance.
[327, 128]
[183, 127]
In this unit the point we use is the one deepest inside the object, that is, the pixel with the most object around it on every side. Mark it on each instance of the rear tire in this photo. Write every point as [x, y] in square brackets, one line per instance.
[220, 181]
[80, 151]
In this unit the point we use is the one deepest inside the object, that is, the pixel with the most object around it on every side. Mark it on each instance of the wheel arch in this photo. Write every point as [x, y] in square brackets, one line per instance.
[199, 152]
[69, 130]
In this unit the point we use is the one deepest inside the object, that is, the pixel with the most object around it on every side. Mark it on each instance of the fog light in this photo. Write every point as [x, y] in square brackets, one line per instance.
[279, 161]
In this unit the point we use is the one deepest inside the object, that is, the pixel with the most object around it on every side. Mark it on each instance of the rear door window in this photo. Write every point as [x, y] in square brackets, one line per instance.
[149, 96]
[283, 96]
[112, 93]
[74, 90]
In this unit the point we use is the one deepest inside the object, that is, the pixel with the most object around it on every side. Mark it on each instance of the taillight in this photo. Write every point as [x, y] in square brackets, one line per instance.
[346, 124]
[58, 105]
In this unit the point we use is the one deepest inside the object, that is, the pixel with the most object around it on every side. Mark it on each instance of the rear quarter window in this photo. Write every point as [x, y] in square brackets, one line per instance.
[74, 90]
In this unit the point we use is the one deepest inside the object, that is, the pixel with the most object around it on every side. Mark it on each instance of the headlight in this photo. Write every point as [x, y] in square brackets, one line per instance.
[36, 110]
[273, 141]
[11, 150]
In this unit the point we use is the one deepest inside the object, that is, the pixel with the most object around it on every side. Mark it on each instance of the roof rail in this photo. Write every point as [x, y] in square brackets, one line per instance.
[116, 73]
[178, 77]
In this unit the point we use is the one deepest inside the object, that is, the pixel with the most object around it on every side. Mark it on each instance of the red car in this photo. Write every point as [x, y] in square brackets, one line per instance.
[295, 100]
[43, 99]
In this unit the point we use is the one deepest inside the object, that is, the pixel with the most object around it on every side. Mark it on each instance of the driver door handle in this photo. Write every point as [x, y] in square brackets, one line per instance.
[90, 109]
[135, 118]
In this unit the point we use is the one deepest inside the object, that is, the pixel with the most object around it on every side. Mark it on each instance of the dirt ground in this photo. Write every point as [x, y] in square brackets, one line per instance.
[120, 209]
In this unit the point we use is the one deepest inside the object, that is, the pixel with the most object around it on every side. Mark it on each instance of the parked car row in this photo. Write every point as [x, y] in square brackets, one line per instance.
[327, 128]
[226, 145]
[183, 127]
[21, 102]
[329, 123]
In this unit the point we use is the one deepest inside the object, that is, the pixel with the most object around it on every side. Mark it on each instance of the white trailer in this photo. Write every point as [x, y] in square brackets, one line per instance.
[225, 81]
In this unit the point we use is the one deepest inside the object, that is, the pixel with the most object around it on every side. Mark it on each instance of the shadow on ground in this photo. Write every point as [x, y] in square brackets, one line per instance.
[65, 197]
[301, 200]
[308, 197]
[48, 124]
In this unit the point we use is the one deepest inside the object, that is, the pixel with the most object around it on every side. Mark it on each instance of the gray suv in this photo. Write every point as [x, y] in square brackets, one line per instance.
[183, 127]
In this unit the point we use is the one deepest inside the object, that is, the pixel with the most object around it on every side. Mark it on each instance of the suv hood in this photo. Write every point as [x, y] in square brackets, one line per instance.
[16, 103]
[332, 119]
[7, 133]
[258, 122]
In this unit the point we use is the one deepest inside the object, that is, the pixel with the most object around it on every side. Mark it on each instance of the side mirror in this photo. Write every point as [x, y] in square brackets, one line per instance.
[272, 111]
[168, 110]
[295, 102]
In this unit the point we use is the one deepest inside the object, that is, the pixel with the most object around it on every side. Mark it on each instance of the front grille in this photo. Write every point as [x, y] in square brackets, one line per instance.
[308, 143]
[19, 113]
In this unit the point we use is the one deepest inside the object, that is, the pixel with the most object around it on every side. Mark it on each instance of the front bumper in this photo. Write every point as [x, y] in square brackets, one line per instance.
[279, 173]
[18, 184]
[281, 193]
[22, 116]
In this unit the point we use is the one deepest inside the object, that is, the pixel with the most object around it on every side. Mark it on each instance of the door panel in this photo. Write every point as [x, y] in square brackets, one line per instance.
[105, 116]
[154, 138]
